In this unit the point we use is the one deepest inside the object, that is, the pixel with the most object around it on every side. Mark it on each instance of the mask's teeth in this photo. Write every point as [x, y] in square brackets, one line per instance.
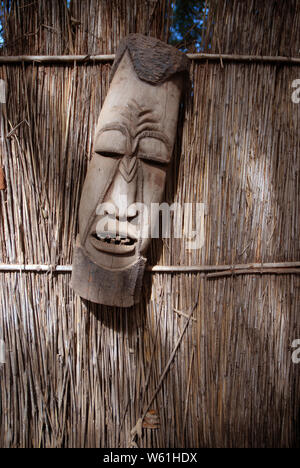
[118, 240]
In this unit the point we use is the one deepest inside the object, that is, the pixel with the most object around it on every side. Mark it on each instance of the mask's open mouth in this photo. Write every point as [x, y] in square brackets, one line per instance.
[113, 242]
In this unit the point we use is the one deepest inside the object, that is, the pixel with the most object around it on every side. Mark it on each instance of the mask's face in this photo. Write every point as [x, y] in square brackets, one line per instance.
[132, 148]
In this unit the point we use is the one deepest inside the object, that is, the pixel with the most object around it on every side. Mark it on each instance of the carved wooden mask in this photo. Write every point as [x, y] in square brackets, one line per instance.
[133, 146]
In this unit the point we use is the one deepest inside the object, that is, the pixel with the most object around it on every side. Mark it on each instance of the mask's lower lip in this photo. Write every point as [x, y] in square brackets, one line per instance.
[112, 244]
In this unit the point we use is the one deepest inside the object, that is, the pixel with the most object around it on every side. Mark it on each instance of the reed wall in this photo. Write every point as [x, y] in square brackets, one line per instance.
[82, 375]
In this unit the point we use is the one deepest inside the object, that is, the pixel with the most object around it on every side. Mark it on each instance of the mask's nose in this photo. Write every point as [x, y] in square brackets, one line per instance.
[123, 191]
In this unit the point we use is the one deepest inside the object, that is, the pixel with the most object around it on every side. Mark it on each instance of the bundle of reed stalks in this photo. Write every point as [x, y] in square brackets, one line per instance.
[201, 361]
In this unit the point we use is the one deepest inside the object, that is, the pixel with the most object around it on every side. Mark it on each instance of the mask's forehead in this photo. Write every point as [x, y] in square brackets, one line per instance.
[135, 103]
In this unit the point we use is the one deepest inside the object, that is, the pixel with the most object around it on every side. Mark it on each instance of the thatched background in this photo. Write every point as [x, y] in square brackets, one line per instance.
[81, 375]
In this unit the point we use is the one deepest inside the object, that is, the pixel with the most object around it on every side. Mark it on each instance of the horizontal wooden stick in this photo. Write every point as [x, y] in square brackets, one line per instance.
[222, 270]
[207, 268]
[51, 59]
[35, 268]
[276, 271]
[245, 58]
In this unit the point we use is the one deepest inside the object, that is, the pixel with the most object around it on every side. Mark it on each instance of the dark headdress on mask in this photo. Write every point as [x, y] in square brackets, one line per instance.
[153, 61]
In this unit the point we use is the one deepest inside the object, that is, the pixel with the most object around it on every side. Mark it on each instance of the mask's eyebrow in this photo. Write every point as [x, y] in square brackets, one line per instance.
[114, 126]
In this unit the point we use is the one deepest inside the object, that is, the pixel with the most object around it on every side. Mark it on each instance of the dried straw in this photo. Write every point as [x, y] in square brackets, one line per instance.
[82, 375]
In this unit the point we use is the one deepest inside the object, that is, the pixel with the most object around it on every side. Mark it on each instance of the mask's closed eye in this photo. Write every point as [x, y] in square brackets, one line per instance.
[154, 150]
[111, 143]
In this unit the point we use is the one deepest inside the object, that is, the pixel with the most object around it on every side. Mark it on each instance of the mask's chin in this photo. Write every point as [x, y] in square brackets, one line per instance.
[108, 267]
[118, 285]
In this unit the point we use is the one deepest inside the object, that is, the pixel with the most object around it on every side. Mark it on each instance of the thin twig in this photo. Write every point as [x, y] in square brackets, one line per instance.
[15, 128]
[167, 367]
